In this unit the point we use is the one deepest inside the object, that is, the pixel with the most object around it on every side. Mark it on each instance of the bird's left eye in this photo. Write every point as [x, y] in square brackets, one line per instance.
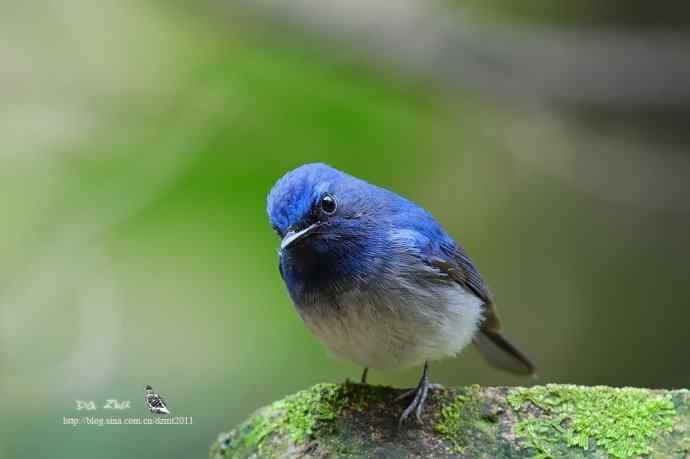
[328, 204]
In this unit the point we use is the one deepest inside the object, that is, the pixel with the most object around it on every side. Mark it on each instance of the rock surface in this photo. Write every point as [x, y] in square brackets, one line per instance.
[354, 420]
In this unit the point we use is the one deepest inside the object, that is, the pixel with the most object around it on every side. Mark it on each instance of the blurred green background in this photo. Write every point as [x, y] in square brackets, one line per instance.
[139, 142]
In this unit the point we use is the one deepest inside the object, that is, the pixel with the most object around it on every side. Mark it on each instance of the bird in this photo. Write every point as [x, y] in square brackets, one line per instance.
[154, 402]
[379, 281]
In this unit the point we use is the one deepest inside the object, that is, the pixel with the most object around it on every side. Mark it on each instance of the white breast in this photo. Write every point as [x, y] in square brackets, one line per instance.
[379, 331]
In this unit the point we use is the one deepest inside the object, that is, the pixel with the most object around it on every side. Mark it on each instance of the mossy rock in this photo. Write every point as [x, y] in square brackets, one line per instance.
[354, 420]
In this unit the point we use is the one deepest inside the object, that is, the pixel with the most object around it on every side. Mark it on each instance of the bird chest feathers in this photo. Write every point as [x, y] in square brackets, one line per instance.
[386, 329]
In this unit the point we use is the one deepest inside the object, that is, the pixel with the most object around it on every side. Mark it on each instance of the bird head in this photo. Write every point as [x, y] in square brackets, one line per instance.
[319, 209]
[337, 231]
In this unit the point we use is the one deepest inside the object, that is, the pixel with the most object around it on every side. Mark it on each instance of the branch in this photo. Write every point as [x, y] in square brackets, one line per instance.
[353, 420]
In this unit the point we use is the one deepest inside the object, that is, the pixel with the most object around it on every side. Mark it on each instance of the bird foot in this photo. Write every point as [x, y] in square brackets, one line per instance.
[417, 404]
[410, 392]
[420, 394]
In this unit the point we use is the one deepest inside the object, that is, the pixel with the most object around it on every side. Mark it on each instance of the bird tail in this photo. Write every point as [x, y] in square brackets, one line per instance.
[500, 353]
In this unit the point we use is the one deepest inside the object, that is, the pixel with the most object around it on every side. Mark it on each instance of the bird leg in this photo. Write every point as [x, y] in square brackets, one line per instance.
[364, 375]
[420, 394]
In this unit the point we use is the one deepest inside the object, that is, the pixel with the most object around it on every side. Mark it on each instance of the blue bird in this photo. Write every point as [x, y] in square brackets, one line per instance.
[378, 280]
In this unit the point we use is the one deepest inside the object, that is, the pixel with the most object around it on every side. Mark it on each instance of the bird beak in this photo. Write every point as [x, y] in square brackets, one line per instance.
[293, 236]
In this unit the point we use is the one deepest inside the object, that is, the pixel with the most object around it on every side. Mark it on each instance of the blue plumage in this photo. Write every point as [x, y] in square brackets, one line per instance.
[354, 246]
[377, 279]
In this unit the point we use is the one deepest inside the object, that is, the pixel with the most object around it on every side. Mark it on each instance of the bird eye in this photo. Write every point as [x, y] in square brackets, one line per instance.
[328, 204]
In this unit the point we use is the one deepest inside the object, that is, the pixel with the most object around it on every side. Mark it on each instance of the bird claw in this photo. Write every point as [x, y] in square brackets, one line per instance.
[420, 395]
[417, 404]
[404, 395]
[409, 393]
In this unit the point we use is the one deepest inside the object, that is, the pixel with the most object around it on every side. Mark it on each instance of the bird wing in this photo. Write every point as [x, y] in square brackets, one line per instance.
[459, 268]
[497, 350]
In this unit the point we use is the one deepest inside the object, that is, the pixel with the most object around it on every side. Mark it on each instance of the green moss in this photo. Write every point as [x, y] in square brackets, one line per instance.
[458, 418]
[622, 422]
[448, 424]
[295, 418]
[316, 407]
[684, 446]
